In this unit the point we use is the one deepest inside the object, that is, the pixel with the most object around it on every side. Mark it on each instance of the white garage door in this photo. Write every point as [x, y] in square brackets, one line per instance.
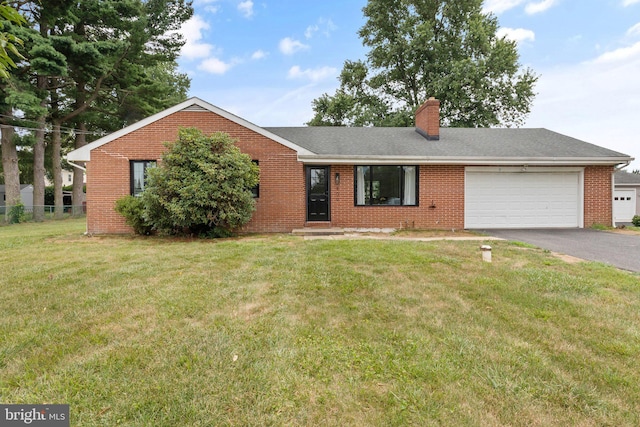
[522, 199]
[624, 205]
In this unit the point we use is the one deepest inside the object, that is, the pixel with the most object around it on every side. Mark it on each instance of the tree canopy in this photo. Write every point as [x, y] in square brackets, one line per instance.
[448, 49]
[85, 68]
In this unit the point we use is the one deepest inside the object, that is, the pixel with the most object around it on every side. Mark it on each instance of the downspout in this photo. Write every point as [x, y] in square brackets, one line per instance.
[76, 166]
[83, 169]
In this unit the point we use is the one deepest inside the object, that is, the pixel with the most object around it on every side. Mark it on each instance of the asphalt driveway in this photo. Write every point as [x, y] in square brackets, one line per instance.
[619, 250]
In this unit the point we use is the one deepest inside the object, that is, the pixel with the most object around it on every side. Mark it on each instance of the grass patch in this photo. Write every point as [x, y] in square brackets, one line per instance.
[277, 330]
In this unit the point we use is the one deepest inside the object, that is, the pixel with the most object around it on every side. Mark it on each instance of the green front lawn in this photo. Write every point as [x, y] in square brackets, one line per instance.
[276, 330]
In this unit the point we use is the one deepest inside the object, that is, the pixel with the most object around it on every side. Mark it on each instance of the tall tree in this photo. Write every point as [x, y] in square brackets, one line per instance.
[110, 48]
[90, 63]
[420, 48]
[43, 63]
[9, 19]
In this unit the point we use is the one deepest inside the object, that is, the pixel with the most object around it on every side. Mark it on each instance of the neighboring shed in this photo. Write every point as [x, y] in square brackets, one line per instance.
[626, 196]
[26, 196]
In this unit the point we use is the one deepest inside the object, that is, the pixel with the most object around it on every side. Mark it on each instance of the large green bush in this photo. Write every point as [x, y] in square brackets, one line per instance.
[201, 187]
[636, 220]
[132, 209]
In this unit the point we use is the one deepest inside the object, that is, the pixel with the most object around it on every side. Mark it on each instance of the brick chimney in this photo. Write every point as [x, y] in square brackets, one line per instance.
[428, 119]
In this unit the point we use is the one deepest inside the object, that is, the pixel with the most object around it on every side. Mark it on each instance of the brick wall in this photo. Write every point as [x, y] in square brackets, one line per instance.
[439, 186]
[280, 207]
[598, 195]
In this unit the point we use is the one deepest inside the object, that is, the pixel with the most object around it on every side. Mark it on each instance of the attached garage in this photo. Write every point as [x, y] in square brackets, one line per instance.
[522, 197]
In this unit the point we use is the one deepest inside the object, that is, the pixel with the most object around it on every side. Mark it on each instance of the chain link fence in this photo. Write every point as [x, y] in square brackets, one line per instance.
[66, 211]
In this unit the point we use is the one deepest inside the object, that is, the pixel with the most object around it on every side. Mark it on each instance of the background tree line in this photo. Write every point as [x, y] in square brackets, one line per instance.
[76, 71]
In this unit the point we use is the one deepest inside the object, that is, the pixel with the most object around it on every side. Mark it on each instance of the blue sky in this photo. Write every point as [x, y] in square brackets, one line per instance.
[266, 60]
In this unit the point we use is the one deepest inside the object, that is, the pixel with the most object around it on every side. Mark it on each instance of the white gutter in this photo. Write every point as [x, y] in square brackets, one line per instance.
[466, 161]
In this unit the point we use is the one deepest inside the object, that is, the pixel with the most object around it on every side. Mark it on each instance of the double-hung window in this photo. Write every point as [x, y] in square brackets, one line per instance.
[139, 175]
[386, 185]
[255, 191]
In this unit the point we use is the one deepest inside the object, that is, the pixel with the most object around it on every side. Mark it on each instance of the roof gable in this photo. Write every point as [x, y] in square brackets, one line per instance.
[83, 154]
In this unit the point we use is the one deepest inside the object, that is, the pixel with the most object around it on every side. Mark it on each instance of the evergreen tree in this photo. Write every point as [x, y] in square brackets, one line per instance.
[98, 64]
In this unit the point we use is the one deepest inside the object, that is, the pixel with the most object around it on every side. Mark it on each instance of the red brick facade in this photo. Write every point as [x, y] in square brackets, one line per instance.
[598, 195]
[440, 202]
[281, 206]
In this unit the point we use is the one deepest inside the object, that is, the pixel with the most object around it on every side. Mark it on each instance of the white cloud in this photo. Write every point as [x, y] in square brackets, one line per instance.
[212, 9]
[314, 75]
[288, 46]
[246, 8]
[596, 101]
[629, 2]
[215, 66]
[518, 35]
[634, 31]
[259, 54]
[499, 6]
[532, 7]
[207, 5]
[311, 30]
[541, 6]
[624, 54]
[325, 26]
[192, 32]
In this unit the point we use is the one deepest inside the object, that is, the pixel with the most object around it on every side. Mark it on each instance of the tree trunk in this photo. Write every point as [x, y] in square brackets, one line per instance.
[57, 171]
[78, 175]
[38, 171]
[10, 168]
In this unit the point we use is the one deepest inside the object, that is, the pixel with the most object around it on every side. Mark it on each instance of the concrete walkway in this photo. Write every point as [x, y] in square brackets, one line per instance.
[387, 236]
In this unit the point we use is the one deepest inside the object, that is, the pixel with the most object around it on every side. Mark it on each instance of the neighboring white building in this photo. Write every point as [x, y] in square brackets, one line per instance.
[67, 178]
[626, 196]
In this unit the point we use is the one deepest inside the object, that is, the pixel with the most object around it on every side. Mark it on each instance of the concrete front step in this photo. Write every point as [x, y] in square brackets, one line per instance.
[314, 231]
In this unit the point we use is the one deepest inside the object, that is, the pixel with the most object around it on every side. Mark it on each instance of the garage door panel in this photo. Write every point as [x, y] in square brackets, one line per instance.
[624, 205]
[522, 200]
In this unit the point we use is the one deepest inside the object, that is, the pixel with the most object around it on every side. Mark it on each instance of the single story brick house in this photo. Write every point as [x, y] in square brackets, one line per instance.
[422, 177]
[626, 196]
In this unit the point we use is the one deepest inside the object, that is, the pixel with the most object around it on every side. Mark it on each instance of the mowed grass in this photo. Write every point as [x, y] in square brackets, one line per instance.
[276, 330]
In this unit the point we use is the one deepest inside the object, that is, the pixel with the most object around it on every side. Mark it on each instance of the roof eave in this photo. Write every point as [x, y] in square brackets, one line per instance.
[448, 160]
[83, 154]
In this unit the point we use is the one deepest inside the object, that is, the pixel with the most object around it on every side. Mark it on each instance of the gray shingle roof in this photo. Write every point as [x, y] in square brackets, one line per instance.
[622, 177]
[453, 143]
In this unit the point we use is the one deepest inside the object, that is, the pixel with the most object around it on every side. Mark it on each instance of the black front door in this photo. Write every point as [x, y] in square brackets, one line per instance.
[318, 193]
